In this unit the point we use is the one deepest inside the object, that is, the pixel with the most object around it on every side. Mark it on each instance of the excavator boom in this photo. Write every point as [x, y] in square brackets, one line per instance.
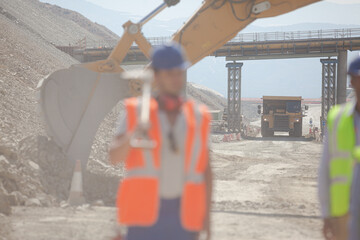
[218, 21]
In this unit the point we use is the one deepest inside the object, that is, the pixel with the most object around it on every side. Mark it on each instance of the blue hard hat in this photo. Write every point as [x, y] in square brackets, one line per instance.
[354, 68]
[169, 56]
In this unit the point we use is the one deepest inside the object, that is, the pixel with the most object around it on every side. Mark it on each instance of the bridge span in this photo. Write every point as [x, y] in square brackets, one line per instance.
[245, 46]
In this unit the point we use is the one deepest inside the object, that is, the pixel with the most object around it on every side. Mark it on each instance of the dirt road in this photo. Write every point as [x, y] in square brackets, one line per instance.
[264, 189]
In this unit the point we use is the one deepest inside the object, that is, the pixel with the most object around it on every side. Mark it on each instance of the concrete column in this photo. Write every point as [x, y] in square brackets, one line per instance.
[341, 77]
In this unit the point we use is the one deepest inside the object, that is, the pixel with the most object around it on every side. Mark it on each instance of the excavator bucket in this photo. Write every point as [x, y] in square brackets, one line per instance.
[73, 103]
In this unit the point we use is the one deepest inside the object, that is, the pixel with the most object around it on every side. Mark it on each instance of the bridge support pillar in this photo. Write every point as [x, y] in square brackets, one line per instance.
[328, 98]
[234, 96]
[341, 78]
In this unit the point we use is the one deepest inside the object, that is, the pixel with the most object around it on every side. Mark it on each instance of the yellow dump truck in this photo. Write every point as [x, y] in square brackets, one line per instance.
[281, 114]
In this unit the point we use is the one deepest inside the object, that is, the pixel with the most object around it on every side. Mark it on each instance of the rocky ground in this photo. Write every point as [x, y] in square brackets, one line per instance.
[264, 189]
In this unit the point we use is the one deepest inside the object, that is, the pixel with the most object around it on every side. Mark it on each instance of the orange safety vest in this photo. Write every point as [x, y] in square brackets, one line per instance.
[138, 195]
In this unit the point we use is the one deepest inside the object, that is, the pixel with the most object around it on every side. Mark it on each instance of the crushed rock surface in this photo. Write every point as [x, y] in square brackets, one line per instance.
[265, 189]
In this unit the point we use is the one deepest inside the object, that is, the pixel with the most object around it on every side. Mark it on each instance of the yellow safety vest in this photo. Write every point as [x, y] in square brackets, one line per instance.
[342, 141]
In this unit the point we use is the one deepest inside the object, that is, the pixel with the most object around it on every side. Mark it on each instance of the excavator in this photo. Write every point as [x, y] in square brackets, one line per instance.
[74, 101]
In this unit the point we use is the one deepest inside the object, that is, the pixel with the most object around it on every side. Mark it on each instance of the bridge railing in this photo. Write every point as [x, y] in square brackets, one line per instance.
[156, 41]
[297, 35]
[257, 37]
[101, 44]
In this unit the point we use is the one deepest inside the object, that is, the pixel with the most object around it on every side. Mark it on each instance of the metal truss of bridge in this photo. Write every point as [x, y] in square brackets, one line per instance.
[234, 97]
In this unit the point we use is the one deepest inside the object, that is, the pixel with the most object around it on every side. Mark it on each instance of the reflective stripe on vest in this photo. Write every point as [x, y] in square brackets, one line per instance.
[137, 200]
[341, 135]
[193, 205]
[138, 195]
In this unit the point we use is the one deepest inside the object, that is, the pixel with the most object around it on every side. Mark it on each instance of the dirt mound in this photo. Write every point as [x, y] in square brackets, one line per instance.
[54, 24]
[33, 170]
[211, 98]
[24, 60]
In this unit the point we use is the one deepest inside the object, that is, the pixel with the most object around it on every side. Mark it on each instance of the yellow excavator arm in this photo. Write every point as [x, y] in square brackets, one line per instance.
[74, 101]
[213, 25]
[218, 21]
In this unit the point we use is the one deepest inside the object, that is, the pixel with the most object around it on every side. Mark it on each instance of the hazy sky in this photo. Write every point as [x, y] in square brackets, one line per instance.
[187, 7]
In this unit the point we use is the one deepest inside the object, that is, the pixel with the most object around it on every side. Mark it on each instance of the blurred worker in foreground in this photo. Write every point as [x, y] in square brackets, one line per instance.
[336, 167]
[354, 233]
[166, 192]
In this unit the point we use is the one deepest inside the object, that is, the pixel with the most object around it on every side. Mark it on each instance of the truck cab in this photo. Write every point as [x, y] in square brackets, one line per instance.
[281, 114]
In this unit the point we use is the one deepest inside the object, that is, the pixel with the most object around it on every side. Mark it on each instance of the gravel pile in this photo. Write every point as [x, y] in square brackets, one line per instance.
[25, 182]
[212, 99]
[54, 24]
[33, 170]
[25, 58]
